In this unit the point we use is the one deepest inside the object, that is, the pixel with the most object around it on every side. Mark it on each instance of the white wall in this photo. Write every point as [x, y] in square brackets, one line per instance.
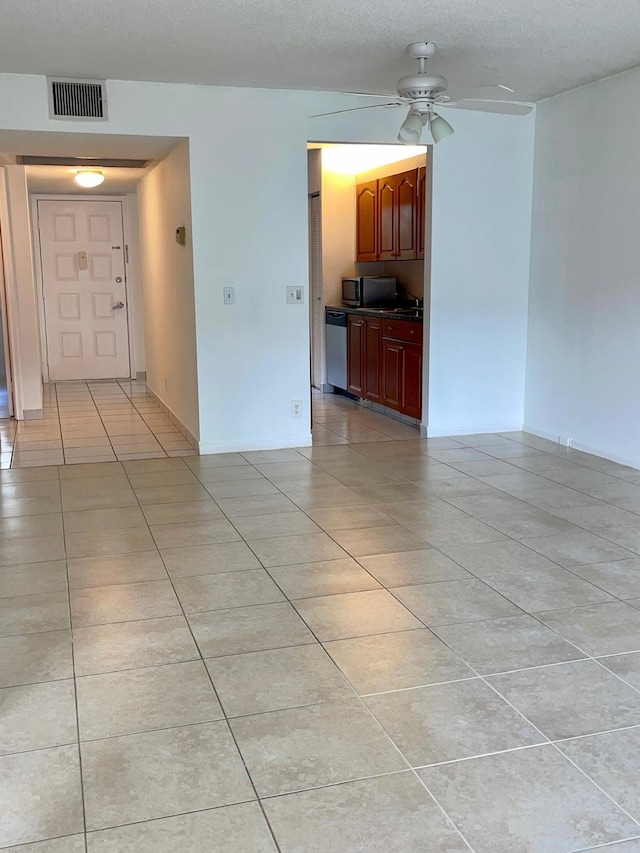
[22, 307]
[337, 198]
[249, 210]
[164, 204]
[584, 317]
[482, 185]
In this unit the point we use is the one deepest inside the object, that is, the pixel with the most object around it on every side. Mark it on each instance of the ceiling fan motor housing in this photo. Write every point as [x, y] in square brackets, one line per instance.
[415, 86]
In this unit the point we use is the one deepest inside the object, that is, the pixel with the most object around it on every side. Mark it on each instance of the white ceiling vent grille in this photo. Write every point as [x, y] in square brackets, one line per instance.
[77, 99]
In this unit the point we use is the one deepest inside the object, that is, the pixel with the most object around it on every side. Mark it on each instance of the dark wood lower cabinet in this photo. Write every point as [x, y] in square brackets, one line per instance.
[386, 369]
[355, 355]
[411, 401]
[392, 373]
[372, 372]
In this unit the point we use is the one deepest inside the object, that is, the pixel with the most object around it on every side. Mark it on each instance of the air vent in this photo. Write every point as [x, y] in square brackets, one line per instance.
[77, 99]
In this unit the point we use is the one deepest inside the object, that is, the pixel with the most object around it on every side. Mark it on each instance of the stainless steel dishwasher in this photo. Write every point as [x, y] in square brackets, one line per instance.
[336, 324]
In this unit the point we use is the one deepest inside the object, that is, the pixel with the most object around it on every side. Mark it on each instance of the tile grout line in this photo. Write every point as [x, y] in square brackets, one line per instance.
[427, 627]
[559, 751]
[390, 738]
[213, 687]
[75, 682]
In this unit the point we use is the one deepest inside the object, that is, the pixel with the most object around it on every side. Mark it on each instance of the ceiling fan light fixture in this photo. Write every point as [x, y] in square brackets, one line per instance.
[89, 178]
[411, 129]
[439, 127]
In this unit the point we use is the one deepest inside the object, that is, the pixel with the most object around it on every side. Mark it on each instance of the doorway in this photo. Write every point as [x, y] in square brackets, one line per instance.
[82, 273]
[397, 230]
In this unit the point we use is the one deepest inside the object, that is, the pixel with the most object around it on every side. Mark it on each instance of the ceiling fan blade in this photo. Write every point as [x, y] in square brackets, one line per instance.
[487, 106]
[494, 93]
[370, 94]
[355, 109]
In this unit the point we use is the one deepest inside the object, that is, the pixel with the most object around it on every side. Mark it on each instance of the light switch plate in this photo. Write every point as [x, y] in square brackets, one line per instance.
[295, 295]
[228, 295]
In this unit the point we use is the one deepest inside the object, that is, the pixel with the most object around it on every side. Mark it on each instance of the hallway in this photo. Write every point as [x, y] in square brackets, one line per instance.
[375, 644]
[101, 421]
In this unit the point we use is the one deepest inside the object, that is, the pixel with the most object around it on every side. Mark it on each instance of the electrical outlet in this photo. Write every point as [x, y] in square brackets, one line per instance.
[295, 295]
[296, 408]
[228, 295]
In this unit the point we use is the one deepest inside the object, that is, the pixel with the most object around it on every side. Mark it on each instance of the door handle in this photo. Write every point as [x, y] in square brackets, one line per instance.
[117, 305]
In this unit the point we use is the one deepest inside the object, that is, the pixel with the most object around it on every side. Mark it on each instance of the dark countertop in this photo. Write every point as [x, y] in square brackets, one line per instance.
[412, 315]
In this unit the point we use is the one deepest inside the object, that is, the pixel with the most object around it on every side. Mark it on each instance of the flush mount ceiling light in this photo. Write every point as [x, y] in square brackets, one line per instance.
[89, 178]
[423, 91]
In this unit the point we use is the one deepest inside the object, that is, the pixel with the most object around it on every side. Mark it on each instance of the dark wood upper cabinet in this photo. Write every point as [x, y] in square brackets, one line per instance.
[367, 221]
[387, 218]
[390, 217]
[407, 214]
[420, 212]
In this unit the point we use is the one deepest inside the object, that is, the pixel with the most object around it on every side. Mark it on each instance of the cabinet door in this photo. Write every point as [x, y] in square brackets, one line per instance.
[372, 372]
[407, 208]
[392, 352]
[367, 221]
[387, 218]
[355, 353]
[411, 399]
[420, 212]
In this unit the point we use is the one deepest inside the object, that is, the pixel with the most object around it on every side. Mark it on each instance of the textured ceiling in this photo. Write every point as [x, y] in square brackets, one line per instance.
[538, 48]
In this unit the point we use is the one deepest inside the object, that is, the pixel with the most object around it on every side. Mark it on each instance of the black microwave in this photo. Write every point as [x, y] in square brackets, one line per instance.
[369, 291]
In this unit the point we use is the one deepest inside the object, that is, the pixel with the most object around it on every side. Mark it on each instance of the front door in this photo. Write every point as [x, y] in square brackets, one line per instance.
[84, 289]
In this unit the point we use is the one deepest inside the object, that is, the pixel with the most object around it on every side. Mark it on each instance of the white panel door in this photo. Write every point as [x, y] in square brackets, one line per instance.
[84, 289]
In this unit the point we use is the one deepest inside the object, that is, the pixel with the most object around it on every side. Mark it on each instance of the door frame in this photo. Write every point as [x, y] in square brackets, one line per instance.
[4, 331]
[130, 306]
[7, 273]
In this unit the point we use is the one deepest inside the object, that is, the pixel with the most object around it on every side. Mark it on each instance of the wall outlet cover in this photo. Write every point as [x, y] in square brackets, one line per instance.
[296, 408]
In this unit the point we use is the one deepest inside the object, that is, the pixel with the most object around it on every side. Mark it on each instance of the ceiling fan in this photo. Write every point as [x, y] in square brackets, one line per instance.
[423, 92]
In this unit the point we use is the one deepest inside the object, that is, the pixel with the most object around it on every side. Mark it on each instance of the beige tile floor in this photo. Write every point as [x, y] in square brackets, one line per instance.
[102, 421]
[379, 644]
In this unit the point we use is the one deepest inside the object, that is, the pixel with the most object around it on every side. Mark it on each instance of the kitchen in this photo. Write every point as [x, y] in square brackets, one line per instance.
[369, 234]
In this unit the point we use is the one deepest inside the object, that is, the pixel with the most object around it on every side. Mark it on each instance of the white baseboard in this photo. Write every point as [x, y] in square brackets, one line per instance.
[32, 414]
[186, 432]
[573, 444]
[477, 429]
[259, 444]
